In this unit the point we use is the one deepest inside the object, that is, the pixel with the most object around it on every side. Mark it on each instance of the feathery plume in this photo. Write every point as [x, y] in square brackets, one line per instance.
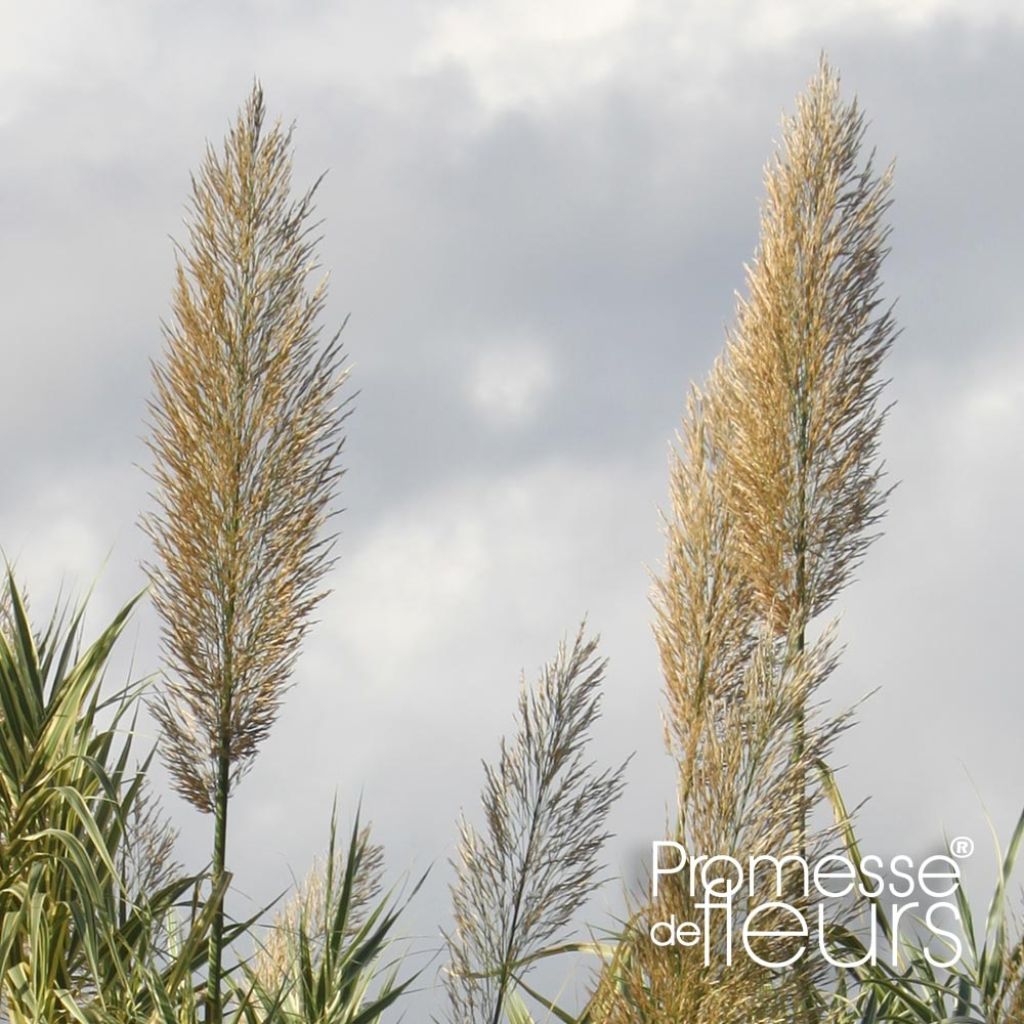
[733, 695]
[740, 801]
[246, 434]
[705, 623]
[519, 882]
[147, 856]
[313, 908]
[799, 384]
[774, 495]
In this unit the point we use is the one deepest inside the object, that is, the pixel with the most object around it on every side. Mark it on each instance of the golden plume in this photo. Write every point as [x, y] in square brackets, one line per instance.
[800, 384]
[774, 493]
[246, 434]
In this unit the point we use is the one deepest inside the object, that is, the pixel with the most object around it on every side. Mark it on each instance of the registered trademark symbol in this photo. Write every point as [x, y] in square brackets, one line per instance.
[962, 846]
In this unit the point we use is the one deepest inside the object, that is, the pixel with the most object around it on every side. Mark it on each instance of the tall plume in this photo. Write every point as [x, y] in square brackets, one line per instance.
[800, 383]
[246, 435]
[775, 491]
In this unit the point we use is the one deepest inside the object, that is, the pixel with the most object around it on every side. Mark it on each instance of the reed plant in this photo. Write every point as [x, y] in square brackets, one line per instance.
[775, 488]
[800, 385]
[522, 877]
[327, 958]
[77, 932]
[246, 436]
[735, 693]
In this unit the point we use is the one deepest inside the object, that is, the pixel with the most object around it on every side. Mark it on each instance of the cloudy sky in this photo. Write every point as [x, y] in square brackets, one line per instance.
[537, 216]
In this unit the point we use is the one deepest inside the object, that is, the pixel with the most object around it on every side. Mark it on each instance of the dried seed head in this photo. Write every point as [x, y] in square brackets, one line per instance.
[246, 435]
[800, 383]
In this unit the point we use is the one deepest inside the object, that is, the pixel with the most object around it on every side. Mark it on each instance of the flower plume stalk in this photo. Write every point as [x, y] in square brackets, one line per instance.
[800, 385]
[705, 624]
[776, 488]
[520, 881]
[734, 694]
[246, 432]
[800, 381]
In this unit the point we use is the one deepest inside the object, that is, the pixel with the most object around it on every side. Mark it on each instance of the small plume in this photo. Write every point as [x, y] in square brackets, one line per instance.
[520, 881]
[313, 909]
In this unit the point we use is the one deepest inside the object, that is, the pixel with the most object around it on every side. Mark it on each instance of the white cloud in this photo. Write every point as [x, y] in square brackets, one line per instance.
[508, 383]
[528, 54]
[984, 425]
[526, 549]
[991, 413]
[75, 539]
[62, 546]
[516, 52]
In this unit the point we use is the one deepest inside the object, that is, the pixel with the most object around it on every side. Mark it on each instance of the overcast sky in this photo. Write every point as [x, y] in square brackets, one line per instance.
[537, 215]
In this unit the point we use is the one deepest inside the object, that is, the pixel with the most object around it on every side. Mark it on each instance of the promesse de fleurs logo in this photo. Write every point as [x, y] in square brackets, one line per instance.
[777, 909]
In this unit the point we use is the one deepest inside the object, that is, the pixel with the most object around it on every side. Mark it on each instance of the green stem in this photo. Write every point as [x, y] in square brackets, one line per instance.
[799, 749]
[221, 799]
[803, 613]
[805, 985]
[214, 1004]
